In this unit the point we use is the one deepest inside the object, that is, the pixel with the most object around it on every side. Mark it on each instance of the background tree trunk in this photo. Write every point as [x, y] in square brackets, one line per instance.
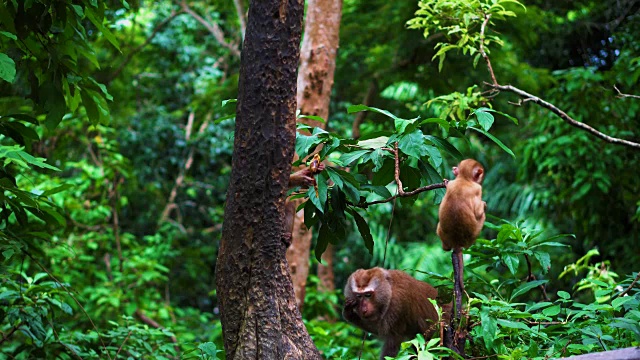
[260, 319]
[315, 80]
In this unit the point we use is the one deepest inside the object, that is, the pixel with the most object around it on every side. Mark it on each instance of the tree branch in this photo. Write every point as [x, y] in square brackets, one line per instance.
[621, 95]
[401, 192]
[484, 54]
[528, 97]
[187, 165]
[568, 119]
[212, 27]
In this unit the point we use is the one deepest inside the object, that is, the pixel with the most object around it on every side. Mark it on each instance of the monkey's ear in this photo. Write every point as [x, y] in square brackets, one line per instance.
[478, 174]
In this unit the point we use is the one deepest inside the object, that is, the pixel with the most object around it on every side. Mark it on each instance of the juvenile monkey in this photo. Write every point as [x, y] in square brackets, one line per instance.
[462, 215]
[391, 305]
[462, 209]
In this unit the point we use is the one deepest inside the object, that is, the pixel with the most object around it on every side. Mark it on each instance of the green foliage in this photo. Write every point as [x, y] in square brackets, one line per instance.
[463, 23]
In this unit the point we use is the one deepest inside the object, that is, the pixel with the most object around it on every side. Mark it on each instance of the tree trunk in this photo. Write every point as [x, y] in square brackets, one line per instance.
[315, 80]
[260, 319]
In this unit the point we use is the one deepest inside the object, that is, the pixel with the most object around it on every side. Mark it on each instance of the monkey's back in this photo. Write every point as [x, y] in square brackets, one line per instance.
[413, 312]
[458, 225]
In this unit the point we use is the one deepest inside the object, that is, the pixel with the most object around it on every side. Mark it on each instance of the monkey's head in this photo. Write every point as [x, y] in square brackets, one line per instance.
[470, 170]
[371, 290]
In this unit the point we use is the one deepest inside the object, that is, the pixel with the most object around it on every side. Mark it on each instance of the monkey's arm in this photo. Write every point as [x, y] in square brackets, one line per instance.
[305, 177]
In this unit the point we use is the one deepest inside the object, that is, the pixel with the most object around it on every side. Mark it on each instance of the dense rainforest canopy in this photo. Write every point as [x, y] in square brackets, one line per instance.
[117, 129]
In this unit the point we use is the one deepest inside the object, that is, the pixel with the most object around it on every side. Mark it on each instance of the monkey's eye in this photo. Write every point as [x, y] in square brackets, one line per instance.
[358, 296]
[367, 295]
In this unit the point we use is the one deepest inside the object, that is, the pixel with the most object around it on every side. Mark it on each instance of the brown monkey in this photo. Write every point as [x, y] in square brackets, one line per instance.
[462, 209]
[391, 305]
[461, 217]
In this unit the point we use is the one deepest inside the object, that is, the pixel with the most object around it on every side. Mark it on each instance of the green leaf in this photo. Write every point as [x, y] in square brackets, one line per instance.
[526, 287]
[9, 35]
[618, 302]
[512, 261]
[347, 158]
[312, 117]
[489, 327]
[357, 108]
[413, 144]
[513, 324]
[363, 228]
[445, 146]
[209, 348]
[324, 237]
[485, 119]
[304, 143]
[544, 259]
[552, 310]
[495, 140]
[91, 15]
[7, 68]
[564, 295]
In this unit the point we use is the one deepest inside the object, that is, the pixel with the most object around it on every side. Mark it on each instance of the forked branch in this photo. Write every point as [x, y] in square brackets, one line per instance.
[401, 192]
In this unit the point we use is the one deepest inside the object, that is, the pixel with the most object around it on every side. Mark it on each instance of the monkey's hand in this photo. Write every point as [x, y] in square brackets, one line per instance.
[350, 303]
[446, 182]
[305, 177]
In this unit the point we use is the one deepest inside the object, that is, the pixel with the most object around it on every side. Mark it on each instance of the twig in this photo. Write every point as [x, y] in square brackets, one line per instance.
[484, 54]
[633, 283]
[532, 277]
[6, 337]
[621, 95]
[568, 119]
[187, 165]
[122, 345]
[212, 27]
[149, 321]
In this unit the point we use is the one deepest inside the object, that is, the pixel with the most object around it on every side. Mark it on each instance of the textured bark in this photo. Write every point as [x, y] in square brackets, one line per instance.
[260, 319]
[315, 80]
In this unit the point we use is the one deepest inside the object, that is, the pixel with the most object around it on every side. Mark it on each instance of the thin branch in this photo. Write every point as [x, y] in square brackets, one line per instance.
[532, 277]
[171, 204]
[484, 54]
[633, 283]
[621, 95]
[122, 345]
[401, 192]
[145, 43]
[568, 119]
[6, 337]
[212, 27]
[240, 11]
[149, 321]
